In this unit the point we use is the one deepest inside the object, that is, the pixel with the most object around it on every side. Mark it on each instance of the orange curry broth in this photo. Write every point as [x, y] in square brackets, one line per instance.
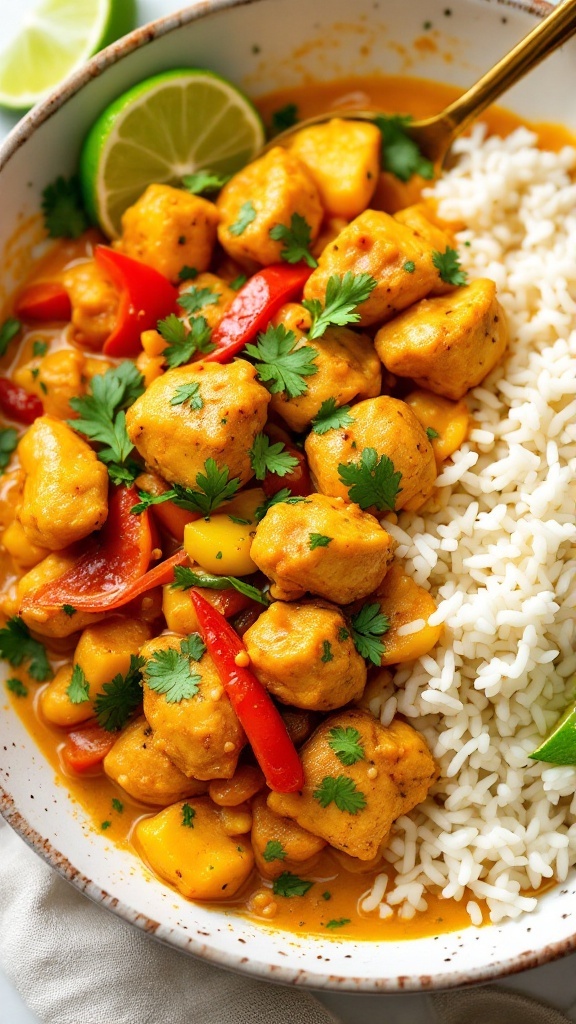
[95, 793]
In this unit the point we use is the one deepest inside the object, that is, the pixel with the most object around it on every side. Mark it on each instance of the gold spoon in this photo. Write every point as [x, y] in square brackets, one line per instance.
[435, 135]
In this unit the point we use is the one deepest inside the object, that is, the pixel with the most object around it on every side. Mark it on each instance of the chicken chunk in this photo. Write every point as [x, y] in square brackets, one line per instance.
[343, 158]
[377, 244]
[143, 770]
[447, 344]
[95, 303]
[419, 219]
[406, 604]
[17, 544]
[201, 733]
[244, 784]
[388, 427]
[304, 654]
[346, 370]
[168, 229]
[262, 195]
[221, 295]
[323, 546]
[54, 379]
[177, 439]
[446, 423]
[189, 845]
[353, 806]
[66, 490]
[280, 844]
[49, 623]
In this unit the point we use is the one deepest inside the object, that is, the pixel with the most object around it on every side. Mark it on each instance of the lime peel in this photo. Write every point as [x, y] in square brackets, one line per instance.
[560, 746]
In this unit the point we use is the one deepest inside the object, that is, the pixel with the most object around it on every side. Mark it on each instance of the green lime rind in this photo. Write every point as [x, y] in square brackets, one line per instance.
[171, 124]
[560, 746]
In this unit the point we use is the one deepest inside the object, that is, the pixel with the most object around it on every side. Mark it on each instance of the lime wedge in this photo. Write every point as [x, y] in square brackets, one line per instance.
[47, 40]
[560, 746]
[172, 124]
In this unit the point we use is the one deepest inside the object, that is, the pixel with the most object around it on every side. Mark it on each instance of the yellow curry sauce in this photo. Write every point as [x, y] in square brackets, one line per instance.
[337, 892]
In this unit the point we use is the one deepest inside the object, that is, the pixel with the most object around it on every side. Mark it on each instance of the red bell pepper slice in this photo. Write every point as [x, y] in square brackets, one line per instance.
[87, 747]
[254, 305]
[259, 716]
[117, 558]
[44, 300]
[17, 404]
[145, 298]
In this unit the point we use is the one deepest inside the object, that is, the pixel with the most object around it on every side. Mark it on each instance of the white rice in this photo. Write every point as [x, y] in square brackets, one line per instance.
[497, 551]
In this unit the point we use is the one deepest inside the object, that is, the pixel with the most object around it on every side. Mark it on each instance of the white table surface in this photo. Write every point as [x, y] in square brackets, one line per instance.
[554, 983]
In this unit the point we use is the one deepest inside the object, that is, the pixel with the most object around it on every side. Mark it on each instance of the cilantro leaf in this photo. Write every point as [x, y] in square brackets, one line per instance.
[338, 923]
[283, 496]
[367, 626]
[183, 343]
[168, 672]
[17, 646]
[274, 851]
[431, 433]
[238, 282]
[296, 238]
[78, 690]
[279, 364]
[8, 332]
[400, 154]
[204, 182]
[117, 805]
[331, 417]
[246, 215]
[16, 686]
[266, 457]
[284, 118]
[371, 481]
[123, 474]
[185, 578]
[194, 299]
[105, 825]
[8, 442]
[69, 610]
[343, 634]
[120, 697]
[346, 744]
[409, 266]
[188, 815]
[342, 791]
[447, 264]
[187, 273]
[288, 884]
[193, 646]
[214, 488]
[343, 295]
[319, 540]
[327, 652]
[62, 206]
[39, 348]
[189, 393]
[101, 413]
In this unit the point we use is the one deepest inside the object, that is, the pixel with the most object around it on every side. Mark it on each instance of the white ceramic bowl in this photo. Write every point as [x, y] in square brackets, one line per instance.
[254, 43]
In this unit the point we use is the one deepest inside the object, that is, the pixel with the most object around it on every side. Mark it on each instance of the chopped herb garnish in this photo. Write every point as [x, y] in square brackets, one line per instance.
[204, 182]
[239, 521]
[195, 299]
[193, 646]
[214, 488]
[338, 923]
[39, 349]
[290, 885]
[346, 744]
[400, 154]
[8, 442]
[342, 791]
[327, 895]
[105, 825]
[168, 672]
[282, 497]
[297, 239]
[185, 578]
[17, 646]
[78, 690]
[117, 805]
[183, 343]
[343, 634]
[246, 215]
[326, 651]
[102, 417]
[447, 264]
[188, 394]
[218, 554]
[266, 457]
[284, 118]
[279, 364]
[16, 686]
[120, 697]
[431, 433]
[318, 540]
[68, 610]
[187, 273]
[409, 266]
[372, 481]
[188, 815]
[64, 214]
[331, 417]
[343, 295]
[367, 626]
[238, 282]
[8, 331]
[274, 851]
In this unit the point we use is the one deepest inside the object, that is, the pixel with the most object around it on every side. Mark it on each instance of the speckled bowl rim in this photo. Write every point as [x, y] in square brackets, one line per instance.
[58, 861]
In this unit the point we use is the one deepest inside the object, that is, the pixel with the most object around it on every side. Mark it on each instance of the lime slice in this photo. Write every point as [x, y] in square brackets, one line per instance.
[170, 125]
[560, 746]
[46, 40]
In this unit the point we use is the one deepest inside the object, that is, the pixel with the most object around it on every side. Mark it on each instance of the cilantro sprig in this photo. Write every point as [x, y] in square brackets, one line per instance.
[331, 417]
[17, 647]
[343, 296]
[8, 331]
[342, 791]
[204, 182]
[368, 625]
[193, 646]
[318, 540]
[102, 417]
[400, 154]
[16, 686]
[279, 364]
[185, 578]
[8, 442]
[297, 239]
[168, 672]
[214, 487]
[184, 342]
[62, 206]
[372, 481]
[288, 884]
[120, 697]
[188, 815]
[194, 299]
[266, 457]
[274, 851]
[246, 215]
[282, 497]
[346, 744]
[188, 394]
[447, 264]
[78, 689]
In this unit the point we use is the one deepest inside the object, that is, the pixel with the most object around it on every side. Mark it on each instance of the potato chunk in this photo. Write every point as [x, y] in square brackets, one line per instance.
[280, 844]
[324, 546]
[66, 490]
[200, 734]
[138, 765]
[304, 654]
[343, 158]
[393, 775]
[95, 303]
[377, 244]
[388, 426]
[447, 344]
[202, 861]
[176, 440]
[168, 228]
[274, 187]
